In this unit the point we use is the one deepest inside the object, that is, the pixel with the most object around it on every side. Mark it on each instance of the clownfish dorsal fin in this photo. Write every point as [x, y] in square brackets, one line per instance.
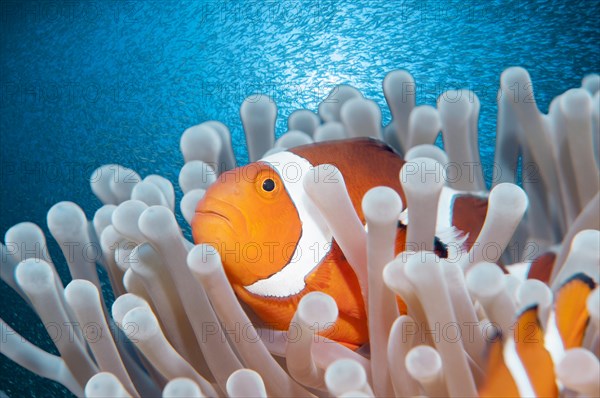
[571, 309]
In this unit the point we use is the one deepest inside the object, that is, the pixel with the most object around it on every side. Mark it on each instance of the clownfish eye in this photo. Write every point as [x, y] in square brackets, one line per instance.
[268, 185]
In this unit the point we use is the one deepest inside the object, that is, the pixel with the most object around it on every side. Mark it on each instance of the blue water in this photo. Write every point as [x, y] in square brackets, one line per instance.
[88, 83]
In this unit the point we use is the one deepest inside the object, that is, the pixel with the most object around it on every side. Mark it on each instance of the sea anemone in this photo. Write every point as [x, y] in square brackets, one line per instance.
[491, 321]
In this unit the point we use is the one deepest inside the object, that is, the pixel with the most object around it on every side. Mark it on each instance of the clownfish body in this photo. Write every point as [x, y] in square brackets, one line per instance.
[275, 245]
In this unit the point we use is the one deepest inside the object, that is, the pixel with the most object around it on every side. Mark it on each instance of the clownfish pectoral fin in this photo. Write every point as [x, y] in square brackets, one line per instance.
[334, 276]
[498, 381]
[571, 309]
[536, 360]
[320, 278]
[353, 347]
[402, 307]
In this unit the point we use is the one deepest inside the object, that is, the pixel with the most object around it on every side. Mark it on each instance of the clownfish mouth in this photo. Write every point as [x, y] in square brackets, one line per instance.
[216, 214]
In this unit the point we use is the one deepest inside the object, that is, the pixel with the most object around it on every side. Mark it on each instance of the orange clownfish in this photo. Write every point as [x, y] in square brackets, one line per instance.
[276, 247]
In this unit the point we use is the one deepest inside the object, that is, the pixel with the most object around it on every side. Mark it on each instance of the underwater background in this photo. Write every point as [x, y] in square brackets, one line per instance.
[89, 83]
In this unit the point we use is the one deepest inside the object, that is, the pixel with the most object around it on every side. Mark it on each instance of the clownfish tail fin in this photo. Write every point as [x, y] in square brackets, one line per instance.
[453, 240]
[449, 242]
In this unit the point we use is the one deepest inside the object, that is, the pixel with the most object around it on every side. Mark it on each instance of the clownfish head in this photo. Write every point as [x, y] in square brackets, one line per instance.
[248, 216]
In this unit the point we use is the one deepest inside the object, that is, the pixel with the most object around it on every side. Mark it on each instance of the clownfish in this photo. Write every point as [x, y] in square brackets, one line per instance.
[535, 346]
[276, 247]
